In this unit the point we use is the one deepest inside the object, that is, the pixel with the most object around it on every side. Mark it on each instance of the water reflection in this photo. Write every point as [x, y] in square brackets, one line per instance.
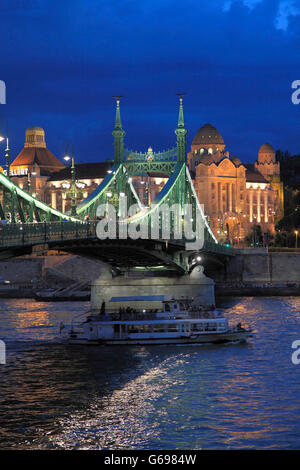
[234, 396]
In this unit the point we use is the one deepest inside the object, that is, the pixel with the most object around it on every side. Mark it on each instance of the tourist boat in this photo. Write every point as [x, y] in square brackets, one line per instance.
[179, 322]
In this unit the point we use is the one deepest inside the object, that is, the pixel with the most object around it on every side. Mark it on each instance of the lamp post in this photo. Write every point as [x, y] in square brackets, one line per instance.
[7, 151]
[2, 139]
[254, 231]
[296, 233]
[73, 191]
[29, 175]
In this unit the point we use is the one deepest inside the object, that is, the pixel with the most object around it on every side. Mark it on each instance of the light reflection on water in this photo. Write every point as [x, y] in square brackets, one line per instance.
[159, 397]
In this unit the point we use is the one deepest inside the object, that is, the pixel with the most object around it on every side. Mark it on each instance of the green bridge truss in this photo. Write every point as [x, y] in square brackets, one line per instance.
[172, 163]
[19, 206]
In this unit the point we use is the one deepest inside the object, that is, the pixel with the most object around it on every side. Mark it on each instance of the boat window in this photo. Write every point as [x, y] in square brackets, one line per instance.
[158, 328]
[133, 329]
[212, 326]
[147, 328]
[197, 327]
[173, 328]
[167, 308]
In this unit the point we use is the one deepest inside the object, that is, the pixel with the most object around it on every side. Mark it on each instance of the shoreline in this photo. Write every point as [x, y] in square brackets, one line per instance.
[221, 290]
[256, 290]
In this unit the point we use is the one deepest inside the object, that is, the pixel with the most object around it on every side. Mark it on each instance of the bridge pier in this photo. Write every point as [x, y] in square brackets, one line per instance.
[149, 291]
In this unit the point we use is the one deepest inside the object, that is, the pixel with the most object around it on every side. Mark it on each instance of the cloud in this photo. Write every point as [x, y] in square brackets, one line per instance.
[287, 9]
[248, 3]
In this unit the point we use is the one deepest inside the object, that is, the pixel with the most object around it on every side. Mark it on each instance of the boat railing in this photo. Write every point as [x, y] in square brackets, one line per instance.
[133, 316]
[142, 316]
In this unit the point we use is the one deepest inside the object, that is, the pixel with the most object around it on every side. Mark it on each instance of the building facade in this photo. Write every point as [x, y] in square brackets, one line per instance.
[37, 170]
[236, 196]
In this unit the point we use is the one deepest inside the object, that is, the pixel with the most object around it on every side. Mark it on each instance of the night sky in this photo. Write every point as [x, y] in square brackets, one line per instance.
[62, 60]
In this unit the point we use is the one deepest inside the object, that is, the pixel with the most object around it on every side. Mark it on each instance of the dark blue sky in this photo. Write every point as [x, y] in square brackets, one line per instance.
[62, 60]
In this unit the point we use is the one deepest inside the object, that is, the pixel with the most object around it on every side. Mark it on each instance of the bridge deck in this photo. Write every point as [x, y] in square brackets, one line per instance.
[19, 235]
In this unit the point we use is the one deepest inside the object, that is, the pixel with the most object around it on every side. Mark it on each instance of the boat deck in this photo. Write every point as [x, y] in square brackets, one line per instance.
[142, 316]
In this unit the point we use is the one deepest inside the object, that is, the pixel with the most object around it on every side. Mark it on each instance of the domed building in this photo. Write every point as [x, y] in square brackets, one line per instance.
[35, 163]
[266, 154]
[208, 137]
[38, 171]
[266, 161]
[235, 195]
[207, 140]
[35, 155]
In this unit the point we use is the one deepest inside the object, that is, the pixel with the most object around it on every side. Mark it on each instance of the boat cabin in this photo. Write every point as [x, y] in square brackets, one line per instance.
[155, 328]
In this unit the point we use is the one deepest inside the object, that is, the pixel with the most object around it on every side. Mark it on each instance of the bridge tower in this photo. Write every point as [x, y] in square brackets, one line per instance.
[118, 134]
[150, 287]
[181, 133]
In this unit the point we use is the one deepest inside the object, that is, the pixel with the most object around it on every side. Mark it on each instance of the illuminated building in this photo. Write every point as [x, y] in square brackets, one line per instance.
[37, 170]
[235, 195]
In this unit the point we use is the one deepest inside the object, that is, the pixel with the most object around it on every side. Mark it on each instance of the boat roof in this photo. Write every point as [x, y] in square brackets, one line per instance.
[138, 298]
[178, 299]
[158, 322]
[145, 298]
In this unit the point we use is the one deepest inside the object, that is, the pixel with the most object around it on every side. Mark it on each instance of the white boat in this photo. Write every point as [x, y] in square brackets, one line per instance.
[179, 322]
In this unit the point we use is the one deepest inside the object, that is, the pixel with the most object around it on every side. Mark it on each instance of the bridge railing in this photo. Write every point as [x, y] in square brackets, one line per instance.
[43, 232]
[29, 233]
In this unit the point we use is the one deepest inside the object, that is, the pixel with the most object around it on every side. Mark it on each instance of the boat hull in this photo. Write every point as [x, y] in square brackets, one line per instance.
[219, 338]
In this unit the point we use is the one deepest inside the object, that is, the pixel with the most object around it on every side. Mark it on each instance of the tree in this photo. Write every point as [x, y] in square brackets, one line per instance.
[255, 237]
[291, 219]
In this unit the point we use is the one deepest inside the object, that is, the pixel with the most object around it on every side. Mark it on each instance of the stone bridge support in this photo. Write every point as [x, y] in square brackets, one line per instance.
[147, 292]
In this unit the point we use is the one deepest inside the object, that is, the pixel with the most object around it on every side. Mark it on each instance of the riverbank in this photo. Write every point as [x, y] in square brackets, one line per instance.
[15, 292]
[221, 290]
[257, 290]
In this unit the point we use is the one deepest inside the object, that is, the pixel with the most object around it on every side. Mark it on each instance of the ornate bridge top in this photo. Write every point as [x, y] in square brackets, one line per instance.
[150, 156]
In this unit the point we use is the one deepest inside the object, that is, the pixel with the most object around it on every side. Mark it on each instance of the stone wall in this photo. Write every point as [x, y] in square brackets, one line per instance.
[49, 270]
[22, 270]
[259, 265]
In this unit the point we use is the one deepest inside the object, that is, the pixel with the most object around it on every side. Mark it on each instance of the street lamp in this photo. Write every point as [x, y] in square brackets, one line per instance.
[7, 151]
[73, 191]
[254, 231]
[29, 175]
[296, 233]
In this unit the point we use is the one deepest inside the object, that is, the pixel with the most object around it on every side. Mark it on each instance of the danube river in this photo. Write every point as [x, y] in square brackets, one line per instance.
[241, 396]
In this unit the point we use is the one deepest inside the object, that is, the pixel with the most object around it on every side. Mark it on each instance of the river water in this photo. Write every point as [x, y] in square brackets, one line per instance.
[237, 396]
